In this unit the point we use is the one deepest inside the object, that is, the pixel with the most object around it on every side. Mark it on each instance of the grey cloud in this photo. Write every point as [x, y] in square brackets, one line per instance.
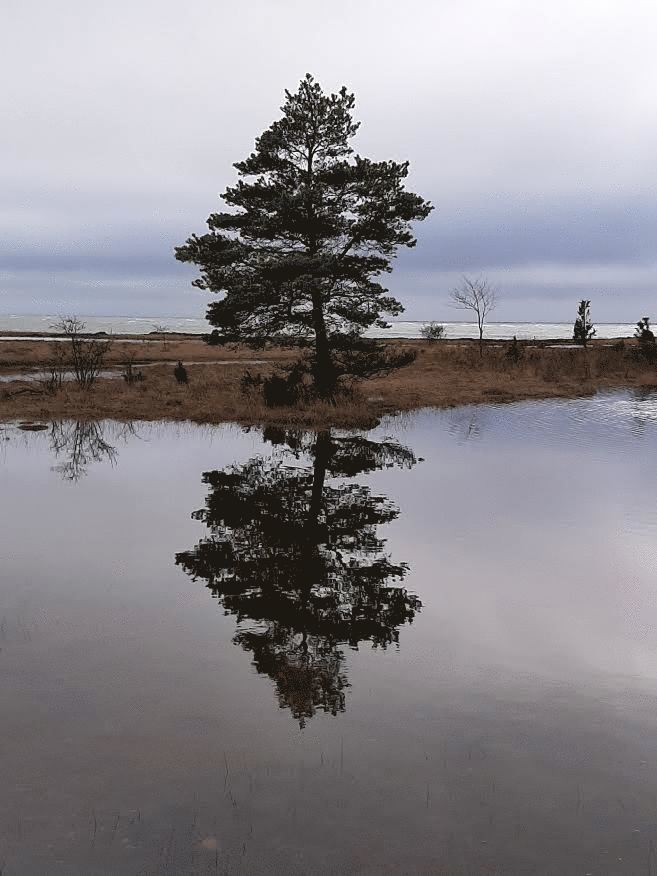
[519, 234]
[531, 126]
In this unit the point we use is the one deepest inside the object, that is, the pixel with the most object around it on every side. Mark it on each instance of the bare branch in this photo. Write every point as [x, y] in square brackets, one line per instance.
[479, 296]
[87, 354]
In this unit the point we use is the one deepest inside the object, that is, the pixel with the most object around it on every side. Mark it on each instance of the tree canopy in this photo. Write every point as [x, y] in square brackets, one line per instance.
[313, 228]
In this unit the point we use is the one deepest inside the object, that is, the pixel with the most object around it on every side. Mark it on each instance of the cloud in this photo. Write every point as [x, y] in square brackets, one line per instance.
[531, 127]
[543, 292]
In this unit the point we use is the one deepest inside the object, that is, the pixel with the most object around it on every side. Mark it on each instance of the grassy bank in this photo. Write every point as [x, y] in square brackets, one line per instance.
[444, 374]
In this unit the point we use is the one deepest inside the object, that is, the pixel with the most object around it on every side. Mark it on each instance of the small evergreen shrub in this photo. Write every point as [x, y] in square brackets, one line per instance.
[432, 331]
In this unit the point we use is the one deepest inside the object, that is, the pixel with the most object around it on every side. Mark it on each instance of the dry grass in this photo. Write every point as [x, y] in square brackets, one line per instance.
[443, 375]
[19, 355]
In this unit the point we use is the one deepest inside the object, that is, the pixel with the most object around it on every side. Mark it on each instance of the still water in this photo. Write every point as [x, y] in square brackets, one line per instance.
[431, 648]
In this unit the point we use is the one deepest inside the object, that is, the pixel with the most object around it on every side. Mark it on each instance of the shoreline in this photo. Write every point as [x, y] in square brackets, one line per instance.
[30, 335]
[444, 374]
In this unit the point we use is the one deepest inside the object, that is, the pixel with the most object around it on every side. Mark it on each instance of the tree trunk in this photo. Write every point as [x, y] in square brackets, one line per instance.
[311, 567]
[322, 453]
[324, 372]
[481, 341]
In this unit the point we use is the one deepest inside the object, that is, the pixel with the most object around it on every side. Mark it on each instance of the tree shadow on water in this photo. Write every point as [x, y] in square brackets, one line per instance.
[78, 444]
[293, 552]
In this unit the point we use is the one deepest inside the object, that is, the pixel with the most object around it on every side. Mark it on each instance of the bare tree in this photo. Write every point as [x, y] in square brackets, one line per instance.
[56, 367]
[78, 444]
[87, 355]
[479, 296]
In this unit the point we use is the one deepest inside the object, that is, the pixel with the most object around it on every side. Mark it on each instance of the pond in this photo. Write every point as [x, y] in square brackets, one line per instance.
[430, 648]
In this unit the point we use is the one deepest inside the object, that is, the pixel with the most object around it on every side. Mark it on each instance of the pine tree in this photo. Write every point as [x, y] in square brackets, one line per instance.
[583, 329]
[315, 226]
[643, 331]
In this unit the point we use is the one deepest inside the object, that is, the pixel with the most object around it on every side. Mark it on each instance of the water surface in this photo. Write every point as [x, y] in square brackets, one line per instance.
[431, 648]
[397, 329]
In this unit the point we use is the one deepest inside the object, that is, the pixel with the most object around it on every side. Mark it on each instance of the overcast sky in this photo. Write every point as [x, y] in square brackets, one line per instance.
[531, 126]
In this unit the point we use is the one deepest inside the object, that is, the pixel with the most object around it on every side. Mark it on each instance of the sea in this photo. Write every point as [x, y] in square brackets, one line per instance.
[131, 325]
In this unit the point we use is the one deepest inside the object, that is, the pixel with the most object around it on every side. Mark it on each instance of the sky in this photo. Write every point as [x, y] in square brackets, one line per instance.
[531, 126]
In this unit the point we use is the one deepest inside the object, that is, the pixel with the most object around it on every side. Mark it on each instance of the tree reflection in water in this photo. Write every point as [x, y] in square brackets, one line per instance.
[76, 445]
[295, 555]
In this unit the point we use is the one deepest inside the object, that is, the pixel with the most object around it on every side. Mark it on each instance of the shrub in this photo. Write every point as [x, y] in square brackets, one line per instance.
[87, 355]
[213, 339]
[514, 352]
[180, 373]
[432, 331]
[286, 390]
[279, 392]
[643, 331]
[129, 374]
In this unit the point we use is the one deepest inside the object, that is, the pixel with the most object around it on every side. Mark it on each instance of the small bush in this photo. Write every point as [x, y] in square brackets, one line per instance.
[289, 388]
[643, 332]
[514, 352]
[180, 373]
[129, 374]
[213, 339]
[432, 331]
[280, 391]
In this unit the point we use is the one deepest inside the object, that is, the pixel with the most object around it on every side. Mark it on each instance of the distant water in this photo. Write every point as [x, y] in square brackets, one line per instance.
[402, 329]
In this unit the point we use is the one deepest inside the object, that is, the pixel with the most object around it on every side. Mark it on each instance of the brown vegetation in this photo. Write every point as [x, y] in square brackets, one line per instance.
[444, 374]
[19, 355]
